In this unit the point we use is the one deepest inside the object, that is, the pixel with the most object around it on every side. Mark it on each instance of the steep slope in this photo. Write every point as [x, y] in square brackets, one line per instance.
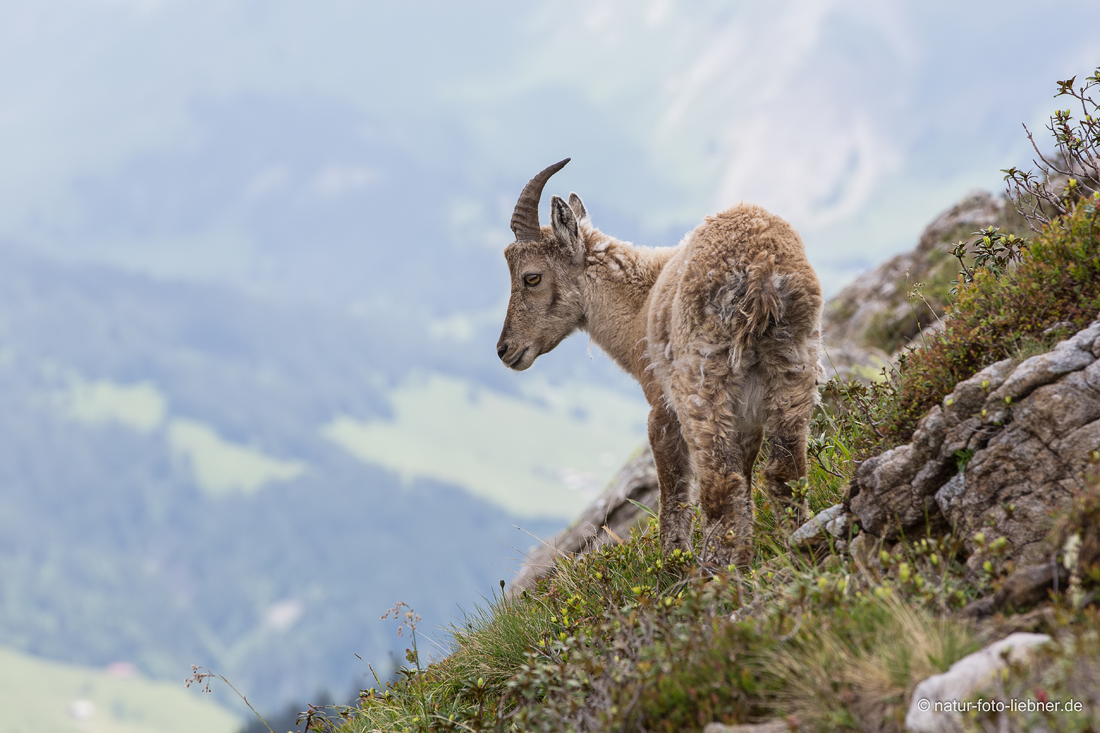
[865, 325]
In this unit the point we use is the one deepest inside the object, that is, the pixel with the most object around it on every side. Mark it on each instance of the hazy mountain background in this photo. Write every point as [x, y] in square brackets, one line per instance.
[250, 280]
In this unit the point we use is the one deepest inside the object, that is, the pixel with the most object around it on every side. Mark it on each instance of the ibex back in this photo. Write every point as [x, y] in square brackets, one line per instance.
[721, 331]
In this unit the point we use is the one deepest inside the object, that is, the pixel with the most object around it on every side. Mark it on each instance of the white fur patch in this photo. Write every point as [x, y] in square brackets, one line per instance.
[752, 400]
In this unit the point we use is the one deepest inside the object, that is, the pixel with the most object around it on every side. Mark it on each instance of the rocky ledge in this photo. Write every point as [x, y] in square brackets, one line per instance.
[1006, 449]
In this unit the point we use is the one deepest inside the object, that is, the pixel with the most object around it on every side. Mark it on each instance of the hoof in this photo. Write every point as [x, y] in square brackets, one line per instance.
[670, 542]
[724, 548]
[675, 532]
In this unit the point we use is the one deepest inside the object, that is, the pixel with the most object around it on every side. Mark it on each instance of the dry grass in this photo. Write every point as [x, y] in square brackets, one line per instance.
[834, 679]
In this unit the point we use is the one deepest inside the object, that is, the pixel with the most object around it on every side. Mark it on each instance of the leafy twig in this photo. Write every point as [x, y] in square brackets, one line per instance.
[202, 676]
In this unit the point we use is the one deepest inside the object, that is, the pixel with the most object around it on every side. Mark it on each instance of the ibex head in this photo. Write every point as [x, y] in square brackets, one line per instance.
[546, 267]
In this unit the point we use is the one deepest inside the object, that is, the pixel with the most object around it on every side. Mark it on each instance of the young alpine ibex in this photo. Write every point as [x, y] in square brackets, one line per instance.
[722, 332]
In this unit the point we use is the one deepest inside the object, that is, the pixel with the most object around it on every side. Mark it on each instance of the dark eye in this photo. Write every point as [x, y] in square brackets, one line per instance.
[532, 280]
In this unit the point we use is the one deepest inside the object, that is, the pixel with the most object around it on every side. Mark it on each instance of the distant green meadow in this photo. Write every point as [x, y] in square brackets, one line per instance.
[545, 454]
[39, 696]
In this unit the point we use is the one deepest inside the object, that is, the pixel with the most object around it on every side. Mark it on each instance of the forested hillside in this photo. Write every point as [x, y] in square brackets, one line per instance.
[171, 497]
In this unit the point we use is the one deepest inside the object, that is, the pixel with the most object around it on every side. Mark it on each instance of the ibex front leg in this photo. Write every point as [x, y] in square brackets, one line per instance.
[674, 478]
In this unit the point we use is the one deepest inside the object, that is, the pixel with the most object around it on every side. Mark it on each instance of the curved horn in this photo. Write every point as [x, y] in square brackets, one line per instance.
[525, 219]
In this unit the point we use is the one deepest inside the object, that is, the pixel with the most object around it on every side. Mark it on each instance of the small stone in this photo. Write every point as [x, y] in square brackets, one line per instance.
[949, 496]
[838, 526]
[771, 726]
[1057, 327]
[862, 550]
[814, 529]
[969, 675]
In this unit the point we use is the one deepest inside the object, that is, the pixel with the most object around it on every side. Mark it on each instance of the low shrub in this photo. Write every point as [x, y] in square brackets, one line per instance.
[1052, 292]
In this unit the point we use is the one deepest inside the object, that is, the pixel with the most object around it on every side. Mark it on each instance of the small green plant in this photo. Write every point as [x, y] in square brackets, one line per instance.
[1076, 536]
[201, 677]
[849, 423]
[993, 252]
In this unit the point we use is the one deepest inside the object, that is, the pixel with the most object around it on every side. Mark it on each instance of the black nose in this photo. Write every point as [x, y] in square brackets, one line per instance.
[502, 349]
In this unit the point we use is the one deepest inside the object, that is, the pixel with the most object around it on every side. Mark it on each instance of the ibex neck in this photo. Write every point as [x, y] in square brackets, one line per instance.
[618, 281]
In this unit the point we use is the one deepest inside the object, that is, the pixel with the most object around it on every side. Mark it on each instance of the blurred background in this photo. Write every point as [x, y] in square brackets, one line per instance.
[251, 283]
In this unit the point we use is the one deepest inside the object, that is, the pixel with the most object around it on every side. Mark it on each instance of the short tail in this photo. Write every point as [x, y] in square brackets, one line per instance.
[761, 303]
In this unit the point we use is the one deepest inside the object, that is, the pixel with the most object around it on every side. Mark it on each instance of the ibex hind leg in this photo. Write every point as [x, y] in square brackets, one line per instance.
[788, 424]
[670, 454]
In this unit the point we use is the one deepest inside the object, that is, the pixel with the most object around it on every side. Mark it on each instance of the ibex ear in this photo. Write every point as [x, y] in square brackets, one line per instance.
[577, 206]
[564, 224]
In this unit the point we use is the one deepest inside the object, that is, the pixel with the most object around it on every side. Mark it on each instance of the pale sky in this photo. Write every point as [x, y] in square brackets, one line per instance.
[856, 120]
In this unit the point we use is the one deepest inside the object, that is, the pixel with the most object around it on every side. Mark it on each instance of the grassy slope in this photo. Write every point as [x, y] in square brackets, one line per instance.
[38, 695]
[625, 639]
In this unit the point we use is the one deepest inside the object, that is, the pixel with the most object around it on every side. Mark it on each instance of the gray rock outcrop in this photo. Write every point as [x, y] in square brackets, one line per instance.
[873, 317]
[828, 522]
[1006, 448]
